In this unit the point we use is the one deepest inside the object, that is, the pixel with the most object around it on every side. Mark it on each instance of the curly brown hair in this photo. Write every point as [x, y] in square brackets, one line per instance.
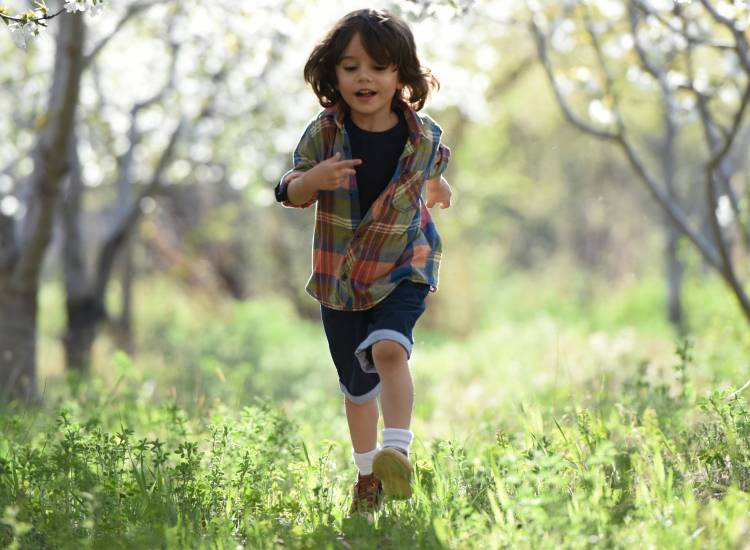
[387, 39]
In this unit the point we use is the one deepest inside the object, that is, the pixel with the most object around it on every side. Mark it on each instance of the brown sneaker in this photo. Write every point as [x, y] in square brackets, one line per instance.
[367, 494]
[392, 466]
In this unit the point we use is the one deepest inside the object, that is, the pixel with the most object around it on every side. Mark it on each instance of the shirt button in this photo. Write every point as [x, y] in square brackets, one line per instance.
[344, 277]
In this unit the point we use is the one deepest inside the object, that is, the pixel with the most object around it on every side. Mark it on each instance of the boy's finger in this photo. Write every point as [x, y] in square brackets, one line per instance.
[351, 162]
[336, 157]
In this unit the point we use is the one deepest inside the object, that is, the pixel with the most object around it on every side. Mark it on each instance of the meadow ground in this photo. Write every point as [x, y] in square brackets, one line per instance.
[547, 425]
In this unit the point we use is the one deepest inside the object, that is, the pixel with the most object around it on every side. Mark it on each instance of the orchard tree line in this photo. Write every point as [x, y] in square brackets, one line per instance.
[100, 165]
[189, 89]
[694, 56]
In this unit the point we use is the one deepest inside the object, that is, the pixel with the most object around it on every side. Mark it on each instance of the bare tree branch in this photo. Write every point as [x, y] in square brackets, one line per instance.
[608, 80]
[541, 43]
[741, 46]
[719, 152]
[12, 163]
[125, 161]
[133, 10]
[41, 20]
[713, 133]
[120, 232]
[676, 213]
[691, 38]
[511, 77]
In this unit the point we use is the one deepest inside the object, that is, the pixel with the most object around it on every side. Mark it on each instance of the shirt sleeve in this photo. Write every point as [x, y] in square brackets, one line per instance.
[307, 153]
[440, 161]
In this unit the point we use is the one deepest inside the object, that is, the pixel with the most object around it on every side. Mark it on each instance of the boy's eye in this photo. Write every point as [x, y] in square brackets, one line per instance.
[351, 68]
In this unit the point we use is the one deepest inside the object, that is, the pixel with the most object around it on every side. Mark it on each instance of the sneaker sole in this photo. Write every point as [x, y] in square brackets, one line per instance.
[394, 470]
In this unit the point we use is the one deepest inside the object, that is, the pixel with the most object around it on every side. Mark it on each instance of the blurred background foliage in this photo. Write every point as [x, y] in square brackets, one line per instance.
[546, 220]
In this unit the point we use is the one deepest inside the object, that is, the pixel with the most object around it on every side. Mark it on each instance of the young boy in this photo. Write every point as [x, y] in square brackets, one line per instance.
[364, 161]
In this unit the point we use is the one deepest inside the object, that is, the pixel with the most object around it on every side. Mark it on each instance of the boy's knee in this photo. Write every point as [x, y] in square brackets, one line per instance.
[360, 404]
[387, 353]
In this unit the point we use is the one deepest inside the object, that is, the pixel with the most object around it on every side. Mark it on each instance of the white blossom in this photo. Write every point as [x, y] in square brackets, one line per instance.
[9, 205]
[728, 95]
[94, 7]
[726, 9]
[73, 6]
[6, 184]
[660, 5]
[724, 214]
[600, 113]
[676, 79]
[20, 32]
[610, 8]
[562, 39]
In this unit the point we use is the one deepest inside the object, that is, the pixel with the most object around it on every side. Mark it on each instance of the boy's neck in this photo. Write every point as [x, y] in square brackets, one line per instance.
[378, 122]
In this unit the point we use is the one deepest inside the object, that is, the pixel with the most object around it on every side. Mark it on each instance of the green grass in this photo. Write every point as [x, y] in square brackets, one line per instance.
[552, 425]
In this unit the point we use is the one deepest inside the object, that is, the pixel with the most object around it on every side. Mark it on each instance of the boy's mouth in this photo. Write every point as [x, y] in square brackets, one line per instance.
[364, 93]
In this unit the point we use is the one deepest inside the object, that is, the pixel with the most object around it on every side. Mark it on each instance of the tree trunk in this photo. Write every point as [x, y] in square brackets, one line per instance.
[674, 268]
[84, 314]
[674, 274]
[22, 252]
[17, 343]
[122, 327]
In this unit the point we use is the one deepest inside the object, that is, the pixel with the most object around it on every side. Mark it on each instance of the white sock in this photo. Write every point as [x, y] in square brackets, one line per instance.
[364, 460]
[396, 437]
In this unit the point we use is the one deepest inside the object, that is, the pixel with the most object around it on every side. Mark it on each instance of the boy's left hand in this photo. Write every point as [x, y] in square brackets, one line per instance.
[438, 191]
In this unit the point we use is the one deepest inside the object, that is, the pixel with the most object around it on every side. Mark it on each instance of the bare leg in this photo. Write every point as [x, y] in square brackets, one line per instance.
[397, 390]
[363, 424]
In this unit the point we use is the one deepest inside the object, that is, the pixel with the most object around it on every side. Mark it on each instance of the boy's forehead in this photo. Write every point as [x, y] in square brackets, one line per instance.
[354, 47]
[355, 50]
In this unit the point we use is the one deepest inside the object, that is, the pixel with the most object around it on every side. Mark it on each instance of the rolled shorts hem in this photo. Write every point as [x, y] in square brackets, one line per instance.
[360, 399]
[377, 336]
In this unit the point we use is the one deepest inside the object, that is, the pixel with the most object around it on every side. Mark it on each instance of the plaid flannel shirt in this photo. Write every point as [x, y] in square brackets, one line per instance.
[357, 262]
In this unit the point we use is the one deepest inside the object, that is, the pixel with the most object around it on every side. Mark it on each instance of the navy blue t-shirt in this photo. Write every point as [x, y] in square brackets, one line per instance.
[379, 152]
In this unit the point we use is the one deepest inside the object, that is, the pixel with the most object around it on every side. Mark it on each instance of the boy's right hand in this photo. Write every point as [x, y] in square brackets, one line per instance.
[331, 173]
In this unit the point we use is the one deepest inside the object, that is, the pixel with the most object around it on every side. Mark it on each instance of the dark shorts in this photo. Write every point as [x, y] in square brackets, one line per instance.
[351, 335]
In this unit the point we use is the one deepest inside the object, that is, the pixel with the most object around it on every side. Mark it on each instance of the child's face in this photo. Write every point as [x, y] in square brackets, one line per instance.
[357, 72]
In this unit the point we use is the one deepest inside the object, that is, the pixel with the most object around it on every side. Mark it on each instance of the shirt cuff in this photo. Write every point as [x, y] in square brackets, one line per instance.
[281, 192]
